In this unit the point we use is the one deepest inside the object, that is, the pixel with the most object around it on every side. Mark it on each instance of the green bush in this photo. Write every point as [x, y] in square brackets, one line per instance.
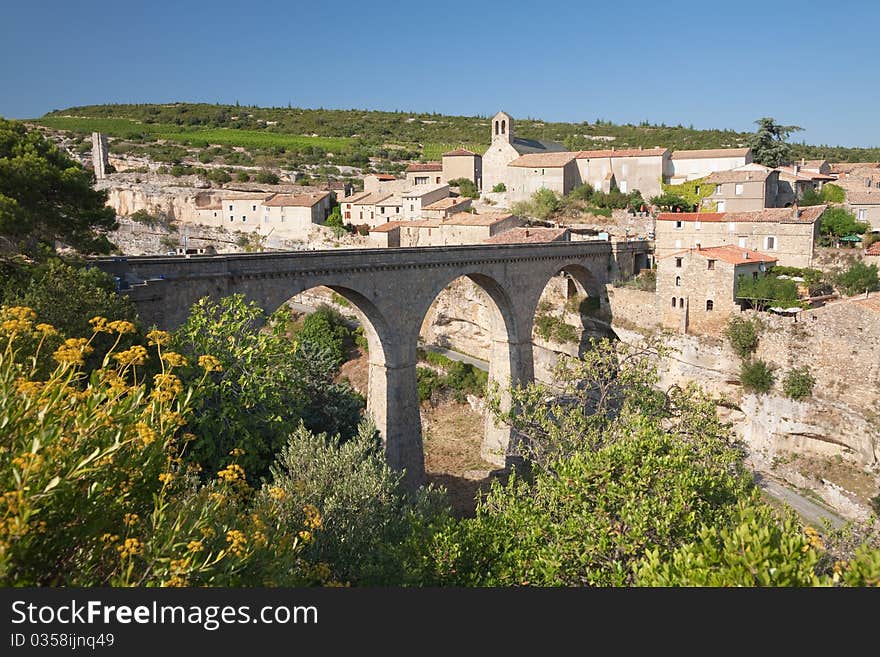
[858, 278]
[429, 383]
[466, 187]
[838, 222]
[242, 176]
[461, 379]
[550, 327]
[327, 330]
[267, 178]
[767, 292]
[499, 187]
[798, 383]
[219, 176]
[832, 193]
[756, 376]
[742, 335]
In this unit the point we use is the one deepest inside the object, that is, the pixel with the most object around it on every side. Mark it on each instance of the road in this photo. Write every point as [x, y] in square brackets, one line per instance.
[806, 508]
[454, 355]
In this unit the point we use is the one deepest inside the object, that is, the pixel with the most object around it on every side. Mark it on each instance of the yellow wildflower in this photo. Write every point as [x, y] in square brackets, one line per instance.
[73, 351]
[231, 473]
[25, 387]
[131, 518]
[136, 355]
[313, 516]
[174, 359]
[21, 312]
[175, 418]
[237, 541]
[168, 383]
[277, 493]
[158, 338]
[121, 326]
[165, 477]
[175, 582]
[129, 548]
[305, 536]
[179, 565]
[236, 451]
[145, 433]
[99, 324]
[46, 329]
[109, 538]
[210, 364]
[195, 546]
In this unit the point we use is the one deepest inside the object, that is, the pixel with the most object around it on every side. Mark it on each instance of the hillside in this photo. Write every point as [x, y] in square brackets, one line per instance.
[352, 136]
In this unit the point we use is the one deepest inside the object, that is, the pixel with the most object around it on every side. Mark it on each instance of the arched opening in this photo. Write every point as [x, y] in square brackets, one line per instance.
[496, 127]
[572, 309]
[503, 126]
[464, 348]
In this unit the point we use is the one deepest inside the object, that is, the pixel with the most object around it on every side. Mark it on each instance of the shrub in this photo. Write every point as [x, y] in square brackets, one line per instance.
[743, 336]
[833, 193]
[767, 291]
[326, 329]
[858, 278]
[267, 178]
[499, 187]
[177, 170]
[798, 383]
[147, 219]
[466, 187]
[550, 327]
[838, 222]
[242, 176]
[219, 176]
[756, 376]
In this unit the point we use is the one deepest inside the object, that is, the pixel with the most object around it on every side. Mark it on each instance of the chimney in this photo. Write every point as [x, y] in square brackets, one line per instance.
[745, 255]
[795, 168]
[527, 232]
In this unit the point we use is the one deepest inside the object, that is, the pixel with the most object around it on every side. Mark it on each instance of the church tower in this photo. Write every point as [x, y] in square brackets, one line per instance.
[502, 127]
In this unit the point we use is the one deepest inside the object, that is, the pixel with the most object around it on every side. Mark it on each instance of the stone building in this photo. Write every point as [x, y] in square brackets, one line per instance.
[384, 182]
[627, 169]
[424, 173]
[794, 181]
[862, 189]
[446, 207]
[530, 235]
[696, 288]
[294, 215]
[788, 234]
[529, 173]
[462, 163]
[506, 147]
[422, 195]
[692, 165]
[460, 228]
[750, 187]
[362, 209]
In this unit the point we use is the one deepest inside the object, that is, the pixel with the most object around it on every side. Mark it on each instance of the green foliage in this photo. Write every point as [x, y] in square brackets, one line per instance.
[327, 330]
[672, 202]
[219, 176]
[499, 187]
[756, 376]
[551, 327]
[368, 521]
[265, 387]
[45, 197]
[757, 548]
[832, 193]
[838, 222]
[798, 383]
[544, 203]
[334, 221]
[768, 143]
[645, 280]
[147, 219]
[811, 197]
[767, 292]
[858, 278]
[743, 336]
[429, 383]
[692, 191]
[466, 187]
[243, 176]
[810, 276]
[460, 379]
[267, 178]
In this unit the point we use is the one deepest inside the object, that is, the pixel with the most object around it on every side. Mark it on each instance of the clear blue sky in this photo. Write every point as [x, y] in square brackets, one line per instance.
[813, 64]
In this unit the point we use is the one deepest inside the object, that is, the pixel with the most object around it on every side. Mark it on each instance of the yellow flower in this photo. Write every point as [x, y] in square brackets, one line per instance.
[121, 326]
[113, 380]
[210, 364]
[21, 312]
[175, 582]
[99, 324]
[46, 329]
[109, 538]
[305, 536]
[175, 418]
[158, 337]
[131, 518]
[237, 541]
[195, 546]
[236, 451]
[277, 493]
[313, 516]
[73, 351]
[168, 382]
[231, 473]
[15, 326]
[174, 359]
[25, 387]
[145, 433]
[179, 565]
[136, 355]
[165, 477]
[129, 548]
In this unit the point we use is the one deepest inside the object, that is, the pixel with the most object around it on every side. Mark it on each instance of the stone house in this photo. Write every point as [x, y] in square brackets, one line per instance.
[506, 147]
[696, 288]
[467, 228]
[446, 207]
[530, 235]
[692, 165]
[788, 234]
[794, 181]
[862, 188]
[419, 196]
[339, 188]
[627, 169]
[293, 215]
[242, 211]
[363, 209]
[385, 235]
[346, 205]
[529, 173]
[816, 166]
[389, 209]
[384, 182]
[462, 163]
[750, 187]
[424, 173]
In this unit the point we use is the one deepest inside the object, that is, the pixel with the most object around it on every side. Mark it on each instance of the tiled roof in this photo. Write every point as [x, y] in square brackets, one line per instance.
[527, 236]
[245, 197]
[448, 202]
[747, 173]
[421, 190]
[421, 223]
[813, 165]
[295, 200]
[873, 250]
[848, 167]
[550, 160]
[459, 152]
[388, 226]
[355, 198]
[863, 196]
[710, 153]
[371, 199]
[788, 173]
[416, 167]
[382, 176]
[807, 215]
[468, 219]
[730, 254]
[391, 201]
[623, 152]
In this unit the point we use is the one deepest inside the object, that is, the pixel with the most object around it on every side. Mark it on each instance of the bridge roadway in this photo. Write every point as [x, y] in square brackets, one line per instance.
[393, 289]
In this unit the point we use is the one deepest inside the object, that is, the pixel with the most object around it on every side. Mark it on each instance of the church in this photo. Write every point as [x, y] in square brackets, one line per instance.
[506, 147]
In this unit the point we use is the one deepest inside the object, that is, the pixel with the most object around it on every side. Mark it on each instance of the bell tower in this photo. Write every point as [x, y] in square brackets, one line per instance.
[502, 127]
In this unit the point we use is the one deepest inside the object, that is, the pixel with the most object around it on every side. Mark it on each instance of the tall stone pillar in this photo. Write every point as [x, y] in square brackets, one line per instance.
[511, 363]
[100, 155]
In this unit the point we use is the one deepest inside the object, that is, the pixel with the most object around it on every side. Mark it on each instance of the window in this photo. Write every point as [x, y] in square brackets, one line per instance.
[382, 210]
[710, 305]
[741, 241]
[863, 214]
[421, 180]
[678, 262]
[542, 172]
[769, 243]
[230, 208]
[412, 208]
[738, 189]
[678, 281]
[254, 208]
[215, 214]
[244, 218]
[231, 218]
[680, 302]
[437, 180]
[679, 225]
[717, 189]
[710, 264]
[673, 302]
[624, 187]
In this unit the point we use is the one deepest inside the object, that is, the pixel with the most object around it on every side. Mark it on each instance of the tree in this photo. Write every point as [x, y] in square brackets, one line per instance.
[47, 198]
[267, 178]
[767, 291]
[833, 193]
[838, 222]
[768, 142]
[858, 278]
[798, 383]
[743, 336]
[672, 202]
[466, 187]
[334, 221]
[756, 376]
[327, 331]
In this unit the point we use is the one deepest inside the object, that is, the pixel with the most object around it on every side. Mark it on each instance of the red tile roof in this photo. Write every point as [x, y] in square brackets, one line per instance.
[382, 176]
[459, 152]
[416, 167]
[873, 250]
[710, 153]
[624, 152]
[730, 254]
[295, 200]
[806, 215]
[448, 202]
[469, 219]
[388, 226]
[747, 173]
[528, 236]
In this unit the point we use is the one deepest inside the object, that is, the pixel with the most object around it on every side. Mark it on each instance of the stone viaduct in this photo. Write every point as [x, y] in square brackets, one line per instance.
[393, 289]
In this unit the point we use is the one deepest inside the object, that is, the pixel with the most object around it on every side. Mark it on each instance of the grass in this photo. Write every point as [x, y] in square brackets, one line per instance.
[433, 151]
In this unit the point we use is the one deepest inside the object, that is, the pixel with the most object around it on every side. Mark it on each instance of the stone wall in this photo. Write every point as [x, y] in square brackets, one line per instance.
[630, 307]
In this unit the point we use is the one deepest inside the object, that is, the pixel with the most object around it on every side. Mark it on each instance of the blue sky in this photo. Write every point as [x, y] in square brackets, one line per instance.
[703, 63]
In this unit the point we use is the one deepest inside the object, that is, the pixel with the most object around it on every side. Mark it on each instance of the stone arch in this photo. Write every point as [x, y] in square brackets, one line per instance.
[503, 126]
[497, 127]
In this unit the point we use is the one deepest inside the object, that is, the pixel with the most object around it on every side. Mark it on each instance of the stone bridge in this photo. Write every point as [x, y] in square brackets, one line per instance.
[393, 289]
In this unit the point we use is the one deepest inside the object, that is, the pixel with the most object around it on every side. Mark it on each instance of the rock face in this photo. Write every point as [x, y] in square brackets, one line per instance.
[459, 319]
[175, 203]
